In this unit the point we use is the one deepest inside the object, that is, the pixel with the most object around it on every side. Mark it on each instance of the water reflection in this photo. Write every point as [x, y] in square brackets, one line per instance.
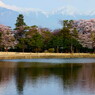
[47, 79]
[55, 60]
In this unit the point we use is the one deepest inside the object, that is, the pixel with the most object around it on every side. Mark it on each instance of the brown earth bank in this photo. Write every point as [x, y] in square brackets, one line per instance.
[20, 55]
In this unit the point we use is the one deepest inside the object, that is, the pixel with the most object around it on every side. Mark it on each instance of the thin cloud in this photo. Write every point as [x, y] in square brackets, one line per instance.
[8, 6]
[15, 8]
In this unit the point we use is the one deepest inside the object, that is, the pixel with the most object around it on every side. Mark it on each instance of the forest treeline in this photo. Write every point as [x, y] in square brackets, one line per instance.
[76, 36]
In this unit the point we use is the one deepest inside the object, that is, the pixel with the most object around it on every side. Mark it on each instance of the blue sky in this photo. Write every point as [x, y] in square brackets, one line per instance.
[49, 5]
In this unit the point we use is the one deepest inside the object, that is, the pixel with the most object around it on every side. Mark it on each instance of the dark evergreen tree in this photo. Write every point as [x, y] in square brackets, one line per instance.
[20, 21]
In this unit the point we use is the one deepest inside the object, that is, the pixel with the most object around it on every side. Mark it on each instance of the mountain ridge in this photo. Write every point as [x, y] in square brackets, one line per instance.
[41, 18]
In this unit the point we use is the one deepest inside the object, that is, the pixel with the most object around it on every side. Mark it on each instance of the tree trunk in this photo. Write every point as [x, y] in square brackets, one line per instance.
[77, 50]
[36, 50]
[23, 50]
[57, 49]
[94, 50]
[6, 49]
[72, 51]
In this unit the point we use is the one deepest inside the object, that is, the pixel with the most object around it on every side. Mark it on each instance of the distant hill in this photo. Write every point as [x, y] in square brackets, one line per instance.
[8, 17]
[43, 19]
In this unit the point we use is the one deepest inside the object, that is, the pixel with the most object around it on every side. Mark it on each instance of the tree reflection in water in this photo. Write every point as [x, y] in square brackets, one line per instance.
[71, 76]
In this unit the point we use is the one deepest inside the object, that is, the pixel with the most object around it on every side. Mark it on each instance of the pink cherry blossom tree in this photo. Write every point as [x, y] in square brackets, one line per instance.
[7, 39]
[86, 32]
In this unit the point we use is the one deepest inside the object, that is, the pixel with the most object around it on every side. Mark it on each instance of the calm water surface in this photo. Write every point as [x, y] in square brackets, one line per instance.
[44, 77]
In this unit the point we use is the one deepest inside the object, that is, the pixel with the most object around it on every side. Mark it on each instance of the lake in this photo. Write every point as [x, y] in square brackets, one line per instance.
[74, 76]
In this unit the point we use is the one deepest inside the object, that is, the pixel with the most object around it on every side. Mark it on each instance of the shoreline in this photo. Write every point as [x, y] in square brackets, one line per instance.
[20, 55]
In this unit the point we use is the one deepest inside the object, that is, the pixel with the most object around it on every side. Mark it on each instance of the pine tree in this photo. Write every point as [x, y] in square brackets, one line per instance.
[20, 21]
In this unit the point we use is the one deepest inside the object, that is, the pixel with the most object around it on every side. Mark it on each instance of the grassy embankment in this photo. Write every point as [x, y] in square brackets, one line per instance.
[16, 55]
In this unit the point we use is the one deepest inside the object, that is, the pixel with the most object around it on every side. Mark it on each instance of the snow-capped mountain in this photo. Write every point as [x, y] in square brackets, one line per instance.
[8, 17]
[44, 19]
